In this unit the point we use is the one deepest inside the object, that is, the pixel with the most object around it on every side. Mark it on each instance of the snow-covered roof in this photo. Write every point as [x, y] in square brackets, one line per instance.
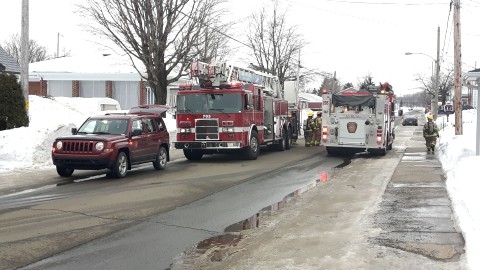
[7, 63]
[85, 67]
[310, 97]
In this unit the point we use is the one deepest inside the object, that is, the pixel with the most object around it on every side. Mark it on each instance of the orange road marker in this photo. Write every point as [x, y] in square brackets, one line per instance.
[323, 177]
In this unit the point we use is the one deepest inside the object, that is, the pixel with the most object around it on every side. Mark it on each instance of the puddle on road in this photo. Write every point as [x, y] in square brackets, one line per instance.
[216, 246]
[225, 239]
[253, 222]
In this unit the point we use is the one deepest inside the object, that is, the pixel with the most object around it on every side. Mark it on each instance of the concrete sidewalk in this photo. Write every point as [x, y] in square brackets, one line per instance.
[400, 219]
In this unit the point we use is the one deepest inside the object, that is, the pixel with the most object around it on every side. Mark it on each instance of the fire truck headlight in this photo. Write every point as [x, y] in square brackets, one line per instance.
[184, 130]
[233, 144]
[229, 130]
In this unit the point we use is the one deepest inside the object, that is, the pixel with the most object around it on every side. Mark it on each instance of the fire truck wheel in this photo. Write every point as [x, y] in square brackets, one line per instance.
[64, 172]
[379, 152]
[192, 154]
[283, 142]
[389, 144]
[120, 167]
[161, 161]
[253, 150]
[332, 151]
[289, 139]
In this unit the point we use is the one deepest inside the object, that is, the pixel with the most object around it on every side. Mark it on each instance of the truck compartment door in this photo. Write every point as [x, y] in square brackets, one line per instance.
[351, 132]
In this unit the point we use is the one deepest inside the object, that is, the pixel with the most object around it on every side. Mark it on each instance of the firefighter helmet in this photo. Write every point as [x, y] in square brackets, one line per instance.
[430, 117]
[310, 113]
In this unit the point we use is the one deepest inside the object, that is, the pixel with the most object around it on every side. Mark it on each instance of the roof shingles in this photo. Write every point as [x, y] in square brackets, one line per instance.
[7, 63]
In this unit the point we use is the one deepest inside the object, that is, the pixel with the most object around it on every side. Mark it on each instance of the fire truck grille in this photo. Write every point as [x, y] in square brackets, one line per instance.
[78, 147]
[206, 129]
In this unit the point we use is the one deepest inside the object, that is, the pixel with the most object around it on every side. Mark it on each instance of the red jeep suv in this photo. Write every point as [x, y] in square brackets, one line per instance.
[115, 142]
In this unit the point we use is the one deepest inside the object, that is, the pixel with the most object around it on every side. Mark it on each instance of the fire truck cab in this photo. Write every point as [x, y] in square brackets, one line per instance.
[231, 110]
[358, 120]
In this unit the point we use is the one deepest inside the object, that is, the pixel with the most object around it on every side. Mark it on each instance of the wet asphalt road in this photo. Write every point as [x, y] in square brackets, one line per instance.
[155, 243]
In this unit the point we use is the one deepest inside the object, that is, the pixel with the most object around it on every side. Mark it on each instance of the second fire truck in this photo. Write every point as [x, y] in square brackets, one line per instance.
[230, 109]
[358, 120]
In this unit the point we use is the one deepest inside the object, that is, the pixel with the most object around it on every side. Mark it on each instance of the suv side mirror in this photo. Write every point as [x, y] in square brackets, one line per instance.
[74, 131]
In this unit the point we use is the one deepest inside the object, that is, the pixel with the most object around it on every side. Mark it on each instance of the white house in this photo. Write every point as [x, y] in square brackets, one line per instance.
[102, 75]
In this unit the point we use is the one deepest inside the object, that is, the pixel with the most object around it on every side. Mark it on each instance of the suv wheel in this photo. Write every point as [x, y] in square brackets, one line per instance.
[161, 162]
[64, 172]
[119, 169]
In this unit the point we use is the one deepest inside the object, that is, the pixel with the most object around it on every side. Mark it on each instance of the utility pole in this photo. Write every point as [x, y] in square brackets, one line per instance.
[24, 51]
[477, 152]
[333, 81]
[457, 69]
[437, 77]
[297, 86]
[58, 45]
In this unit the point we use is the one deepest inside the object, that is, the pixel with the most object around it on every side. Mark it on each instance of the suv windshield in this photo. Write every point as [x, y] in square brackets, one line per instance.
[104, 126]
[209, 103]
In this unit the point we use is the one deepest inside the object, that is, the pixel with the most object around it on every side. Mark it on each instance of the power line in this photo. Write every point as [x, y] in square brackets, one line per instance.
[446, 28]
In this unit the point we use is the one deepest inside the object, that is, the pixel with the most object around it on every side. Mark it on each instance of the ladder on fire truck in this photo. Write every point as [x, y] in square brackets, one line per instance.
[227, 74]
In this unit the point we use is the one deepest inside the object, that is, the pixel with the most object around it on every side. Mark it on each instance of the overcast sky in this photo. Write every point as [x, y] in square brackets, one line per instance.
[350, 37]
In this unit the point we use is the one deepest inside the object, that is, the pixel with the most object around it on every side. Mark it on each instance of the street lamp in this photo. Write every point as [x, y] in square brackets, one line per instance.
[437, 74]
[437, 82]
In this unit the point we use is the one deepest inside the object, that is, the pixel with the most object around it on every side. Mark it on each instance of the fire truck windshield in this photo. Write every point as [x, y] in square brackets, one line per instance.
[209, 103]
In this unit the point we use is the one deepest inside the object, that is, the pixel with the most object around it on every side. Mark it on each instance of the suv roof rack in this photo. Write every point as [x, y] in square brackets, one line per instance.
[149, 109]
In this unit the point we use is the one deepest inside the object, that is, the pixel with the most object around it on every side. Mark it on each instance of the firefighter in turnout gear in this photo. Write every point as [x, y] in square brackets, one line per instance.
[430, 133]
[309, 129]
[317, 133]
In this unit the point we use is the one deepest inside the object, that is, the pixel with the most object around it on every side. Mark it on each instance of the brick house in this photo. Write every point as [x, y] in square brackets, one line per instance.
[92, 76]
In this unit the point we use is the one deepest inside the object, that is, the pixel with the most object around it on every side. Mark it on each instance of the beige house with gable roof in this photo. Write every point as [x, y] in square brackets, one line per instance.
[93, 76]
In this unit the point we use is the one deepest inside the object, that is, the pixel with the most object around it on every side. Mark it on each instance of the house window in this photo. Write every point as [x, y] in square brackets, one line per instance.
[126, 93]
[89, 89]
[59, 88]
[150, 97]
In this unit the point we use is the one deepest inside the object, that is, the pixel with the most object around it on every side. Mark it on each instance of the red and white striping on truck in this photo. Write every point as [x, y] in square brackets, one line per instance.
[359, 120]
[229, 110]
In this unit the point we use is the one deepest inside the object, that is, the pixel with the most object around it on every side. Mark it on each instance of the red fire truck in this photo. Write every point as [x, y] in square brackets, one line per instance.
[229, 109]
[358, 120]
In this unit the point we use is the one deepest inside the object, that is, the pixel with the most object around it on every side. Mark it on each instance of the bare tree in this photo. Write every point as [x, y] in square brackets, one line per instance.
[445, 86]
[366, 81]
[347, 85]
[275, 45]
[214, 47]
[164, 35]
[331, 83]
[417, 99]
[37, 52]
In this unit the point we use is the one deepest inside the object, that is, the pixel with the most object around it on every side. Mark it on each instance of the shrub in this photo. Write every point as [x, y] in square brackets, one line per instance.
[13, 112]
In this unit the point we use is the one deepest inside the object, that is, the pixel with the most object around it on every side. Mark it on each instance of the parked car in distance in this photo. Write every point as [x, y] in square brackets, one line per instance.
[116, 142]
[410, 121]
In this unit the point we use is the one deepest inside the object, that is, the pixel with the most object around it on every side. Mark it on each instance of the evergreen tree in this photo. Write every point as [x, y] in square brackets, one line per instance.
[12, 103]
